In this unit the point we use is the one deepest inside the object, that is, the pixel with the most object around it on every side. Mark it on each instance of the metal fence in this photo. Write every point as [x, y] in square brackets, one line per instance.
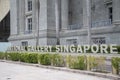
[102, 23]
[75, 26]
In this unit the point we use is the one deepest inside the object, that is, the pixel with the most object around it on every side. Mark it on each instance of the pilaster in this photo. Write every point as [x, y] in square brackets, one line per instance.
[47, 22]
[21, 16]
[13, 18]
[116, 12]
[64, 14]
[86, 14]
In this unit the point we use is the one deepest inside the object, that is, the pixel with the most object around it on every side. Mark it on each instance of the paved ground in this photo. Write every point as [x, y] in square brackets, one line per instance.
[19, 72]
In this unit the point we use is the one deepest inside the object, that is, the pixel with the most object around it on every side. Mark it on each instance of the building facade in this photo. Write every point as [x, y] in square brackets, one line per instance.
[64, 22]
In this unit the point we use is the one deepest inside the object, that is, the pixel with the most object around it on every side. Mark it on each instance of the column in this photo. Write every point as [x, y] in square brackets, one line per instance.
[13, 19]
[116, 12]
[86, 14]
[87, 18]
[35, 16]
[21, 16]
[57, 16]
[43, 15]
[64, 14]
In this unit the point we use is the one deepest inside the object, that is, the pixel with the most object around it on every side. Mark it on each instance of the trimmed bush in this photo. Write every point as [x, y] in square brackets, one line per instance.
[29, 57]
[13, 56]
[2, 55]
[33, 58]
[23, 57]
[96, 63]
[57, 60]
[91, 62]
[118, 48]
[44, 59]
[76, 62]
[116, 64]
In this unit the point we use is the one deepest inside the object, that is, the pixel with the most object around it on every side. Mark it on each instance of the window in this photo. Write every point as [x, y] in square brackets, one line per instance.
[28, 28]
[24, 43]
[99, 40]
[70, 12]
[29, 25]
[110, 13]
[29, 5]
[109, 6]
[72, 41]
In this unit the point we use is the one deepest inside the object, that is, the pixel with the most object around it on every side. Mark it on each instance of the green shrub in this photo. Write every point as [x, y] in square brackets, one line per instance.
[44, 59]
[7, 56]
[91, 62]
[23, 57]
[57, 60]
[116, 63]
[95, 62]
[29, 57]
[33, 58]
[76, 62]
[53, 49]
[2, 55]
[118, 49]
[13, 56]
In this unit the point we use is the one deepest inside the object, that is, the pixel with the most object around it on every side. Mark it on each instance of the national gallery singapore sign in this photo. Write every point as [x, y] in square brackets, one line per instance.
[68, 49]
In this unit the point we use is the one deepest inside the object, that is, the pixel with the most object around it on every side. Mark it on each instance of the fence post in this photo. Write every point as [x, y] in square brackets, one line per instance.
[116, 71]
[88, 63]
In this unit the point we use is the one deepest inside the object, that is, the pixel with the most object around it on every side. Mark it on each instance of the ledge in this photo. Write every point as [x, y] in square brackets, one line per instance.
[81, 32]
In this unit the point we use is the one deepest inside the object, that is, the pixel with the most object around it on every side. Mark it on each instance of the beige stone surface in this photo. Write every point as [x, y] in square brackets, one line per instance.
[4, 8]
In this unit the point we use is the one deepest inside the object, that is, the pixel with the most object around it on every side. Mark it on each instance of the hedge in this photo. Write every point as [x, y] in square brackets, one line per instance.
[116, 64]
[57, 60]
[29, 57]
[13, 56]
[91, 62]
[2, 55]
[44, 59]
[76, 62]
[95, 63]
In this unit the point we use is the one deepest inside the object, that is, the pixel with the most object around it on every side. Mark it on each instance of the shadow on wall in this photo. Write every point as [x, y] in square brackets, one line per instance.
[5, 28]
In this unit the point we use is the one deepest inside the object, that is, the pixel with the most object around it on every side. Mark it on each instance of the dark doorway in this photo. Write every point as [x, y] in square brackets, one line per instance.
[111, 13]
